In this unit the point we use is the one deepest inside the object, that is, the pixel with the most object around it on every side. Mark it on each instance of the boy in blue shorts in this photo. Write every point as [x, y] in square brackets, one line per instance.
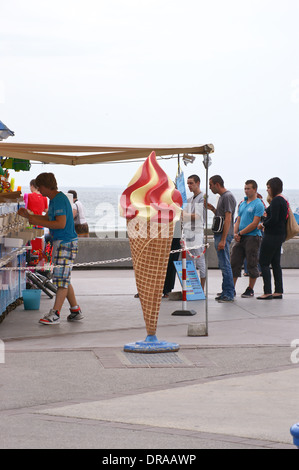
[60, 221]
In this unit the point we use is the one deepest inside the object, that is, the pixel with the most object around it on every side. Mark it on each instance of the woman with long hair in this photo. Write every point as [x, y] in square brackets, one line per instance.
[274, 225]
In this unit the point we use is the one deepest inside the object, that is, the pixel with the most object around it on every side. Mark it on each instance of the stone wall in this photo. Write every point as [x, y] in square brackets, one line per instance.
[97, 249]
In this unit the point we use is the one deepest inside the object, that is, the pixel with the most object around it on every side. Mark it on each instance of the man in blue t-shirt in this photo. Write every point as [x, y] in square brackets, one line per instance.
[247, 237]
[60, 221]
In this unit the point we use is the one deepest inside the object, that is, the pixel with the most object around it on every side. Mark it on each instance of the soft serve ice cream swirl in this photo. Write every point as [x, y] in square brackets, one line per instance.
[151, 195]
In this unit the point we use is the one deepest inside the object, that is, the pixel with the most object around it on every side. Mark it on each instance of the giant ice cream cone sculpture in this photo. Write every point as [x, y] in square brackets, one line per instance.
[151, 205]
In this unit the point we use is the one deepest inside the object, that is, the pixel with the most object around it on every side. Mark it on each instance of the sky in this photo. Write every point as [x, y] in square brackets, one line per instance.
[155, 72]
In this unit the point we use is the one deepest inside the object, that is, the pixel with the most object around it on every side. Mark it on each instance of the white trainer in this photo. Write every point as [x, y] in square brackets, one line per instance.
[75, 314]
[51, 318]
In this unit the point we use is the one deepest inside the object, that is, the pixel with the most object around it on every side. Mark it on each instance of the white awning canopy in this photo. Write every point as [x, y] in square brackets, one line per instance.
[86, 155]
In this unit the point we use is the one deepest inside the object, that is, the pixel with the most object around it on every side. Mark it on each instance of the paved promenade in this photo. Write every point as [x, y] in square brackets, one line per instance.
[73, 386]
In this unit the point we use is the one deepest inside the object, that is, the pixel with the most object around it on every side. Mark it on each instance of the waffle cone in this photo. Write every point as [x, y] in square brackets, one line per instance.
[150, 245]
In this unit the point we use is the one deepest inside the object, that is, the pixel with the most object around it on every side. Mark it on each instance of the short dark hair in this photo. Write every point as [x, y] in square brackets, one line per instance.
[276, 186]
[74, 193]
[46, 179]
[252, 182]
[33, 183]
[217, 179]
[196, 178]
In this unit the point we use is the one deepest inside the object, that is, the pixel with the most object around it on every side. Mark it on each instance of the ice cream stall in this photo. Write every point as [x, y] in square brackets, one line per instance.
[11, 228]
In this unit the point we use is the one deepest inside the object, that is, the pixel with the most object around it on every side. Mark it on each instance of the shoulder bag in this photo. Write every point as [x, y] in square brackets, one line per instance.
[217, 224]
[292, 228]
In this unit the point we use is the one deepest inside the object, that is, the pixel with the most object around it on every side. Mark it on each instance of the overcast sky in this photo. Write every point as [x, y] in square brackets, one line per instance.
[146, 72]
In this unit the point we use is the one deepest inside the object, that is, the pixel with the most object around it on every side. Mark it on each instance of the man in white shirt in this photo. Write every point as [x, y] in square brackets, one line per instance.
[193, 218]
[81, 225]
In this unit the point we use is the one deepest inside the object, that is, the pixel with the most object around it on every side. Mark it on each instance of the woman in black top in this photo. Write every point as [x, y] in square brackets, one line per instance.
[274, 235]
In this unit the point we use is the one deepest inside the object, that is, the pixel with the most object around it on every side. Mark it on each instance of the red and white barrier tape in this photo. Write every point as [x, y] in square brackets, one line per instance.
[183, 243]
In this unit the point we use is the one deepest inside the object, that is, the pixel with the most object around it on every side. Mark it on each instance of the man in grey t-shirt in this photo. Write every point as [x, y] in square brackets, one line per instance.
[225, 208]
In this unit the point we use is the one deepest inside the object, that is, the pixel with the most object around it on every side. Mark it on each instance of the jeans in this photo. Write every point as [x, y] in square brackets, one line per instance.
[270, 254]
[228, 288]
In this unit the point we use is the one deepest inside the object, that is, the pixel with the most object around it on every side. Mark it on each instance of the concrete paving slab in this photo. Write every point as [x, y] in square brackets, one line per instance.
[114, 319]
[257, 407]
[243, 366]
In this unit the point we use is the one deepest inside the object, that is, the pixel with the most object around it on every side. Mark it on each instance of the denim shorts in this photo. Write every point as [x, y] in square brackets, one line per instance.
[64, 254]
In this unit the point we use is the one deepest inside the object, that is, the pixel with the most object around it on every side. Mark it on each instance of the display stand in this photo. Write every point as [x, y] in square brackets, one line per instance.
[184, 311]
[12, 253]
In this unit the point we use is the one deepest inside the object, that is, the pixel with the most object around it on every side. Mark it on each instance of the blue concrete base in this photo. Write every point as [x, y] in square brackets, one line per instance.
[151, 344]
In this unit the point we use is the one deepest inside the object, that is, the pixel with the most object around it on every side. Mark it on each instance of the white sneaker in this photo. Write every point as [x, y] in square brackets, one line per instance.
[75, 314]
[51, 318]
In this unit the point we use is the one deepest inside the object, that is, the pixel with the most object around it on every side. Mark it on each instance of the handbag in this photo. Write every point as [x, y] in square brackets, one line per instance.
[217, 224]
[292, 226]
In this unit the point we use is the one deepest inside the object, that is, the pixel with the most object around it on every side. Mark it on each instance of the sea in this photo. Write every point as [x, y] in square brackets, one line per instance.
[101, 206]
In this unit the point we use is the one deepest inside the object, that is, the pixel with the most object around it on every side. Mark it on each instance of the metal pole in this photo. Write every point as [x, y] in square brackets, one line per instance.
[206, 242]
[201, 329]
[184, 279]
